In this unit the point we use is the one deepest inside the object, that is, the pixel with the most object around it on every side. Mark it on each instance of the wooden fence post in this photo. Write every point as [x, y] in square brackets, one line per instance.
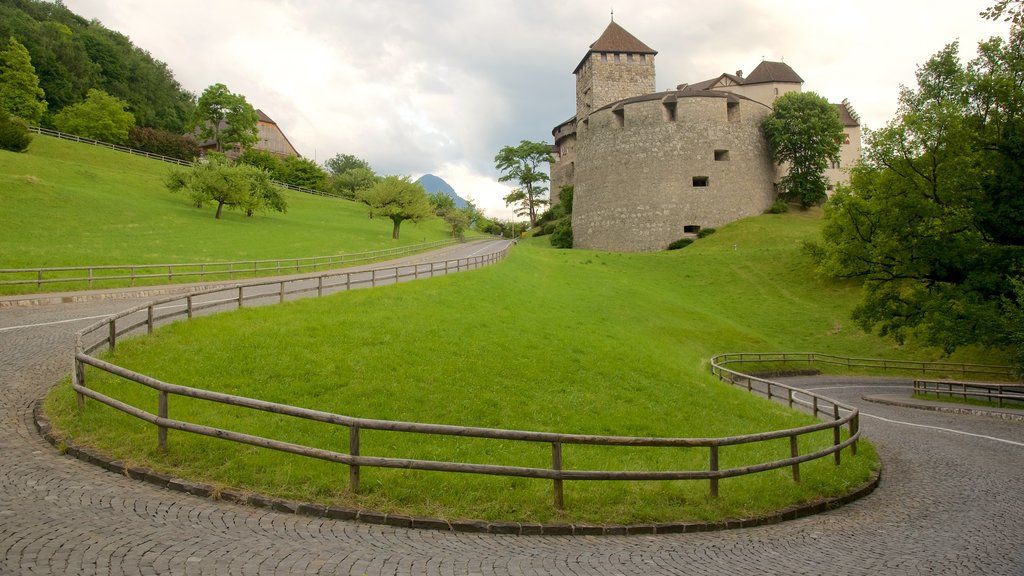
[794, 451]
[835, 433]
[112, 338]
[556, 464]
[161, 433]
[149, 319]
[854, 428]
[188, 305]
[714, 468]
[353, 450]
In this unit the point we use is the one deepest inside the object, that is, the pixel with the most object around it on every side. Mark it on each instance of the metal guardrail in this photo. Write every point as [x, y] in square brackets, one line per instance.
[105, 333]
[162, 158]
[199, 270]
[990, 391]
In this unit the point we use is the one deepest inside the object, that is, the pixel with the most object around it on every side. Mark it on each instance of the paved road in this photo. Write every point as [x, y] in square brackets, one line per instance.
[950, 502]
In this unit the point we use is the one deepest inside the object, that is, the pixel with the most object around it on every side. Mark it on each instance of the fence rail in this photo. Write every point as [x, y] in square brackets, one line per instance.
[162, 158]
[200, 270]
[105, 334]
[910, 366]
[990, 391]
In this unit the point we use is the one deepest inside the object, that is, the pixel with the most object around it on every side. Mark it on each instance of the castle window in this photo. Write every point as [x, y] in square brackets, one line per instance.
[643, 58]
[732, 110]
[691, 229]
[620, 117]
[669, 113]
[617, 57]
[721, 155]
[835, 165]
[700, 181]
[604, 57]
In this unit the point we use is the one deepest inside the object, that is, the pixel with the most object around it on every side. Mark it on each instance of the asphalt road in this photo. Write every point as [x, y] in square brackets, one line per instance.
[951, 501]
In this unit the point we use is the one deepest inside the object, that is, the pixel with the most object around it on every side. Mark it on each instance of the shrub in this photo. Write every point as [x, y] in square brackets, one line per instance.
[561, 236]
[705, 232]
[163, 143]
[681, 243]
[780, 206]
[14, 135]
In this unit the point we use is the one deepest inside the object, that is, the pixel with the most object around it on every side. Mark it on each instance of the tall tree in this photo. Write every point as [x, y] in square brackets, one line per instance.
[397, 198]
[20, 94]
[804, 131]
[100, 117]
[525, 165]
[933, 221]
[226, 118]
[342, 163]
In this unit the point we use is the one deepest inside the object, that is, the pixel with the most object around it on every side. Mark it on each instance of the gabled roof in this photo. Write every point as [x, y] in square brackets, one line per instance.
[767, 72]
[263, 117]
[847, 115]
[615, 38]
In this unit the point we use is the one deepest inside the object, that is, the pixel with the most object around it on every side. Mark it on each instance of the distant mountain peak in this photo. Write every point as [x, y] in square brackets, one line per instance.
[434, 184]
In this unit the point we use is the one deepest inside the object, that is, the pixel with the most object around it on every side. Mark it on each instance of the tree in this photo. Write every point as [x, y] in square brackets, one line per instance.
[20, 94]
[804, 131]
[350, 182]
[457, 220]
[397, 198]
[523, 164]
[342, 163]
[164, 143]
[215, 179]
[302, 172]
[225, 118]
[441, 202]
[933, 221]
[101, 117]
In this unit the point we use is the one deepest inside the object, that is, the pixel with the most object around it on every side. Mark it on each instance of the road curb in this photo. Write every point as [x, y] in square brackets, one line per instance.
[203, 490]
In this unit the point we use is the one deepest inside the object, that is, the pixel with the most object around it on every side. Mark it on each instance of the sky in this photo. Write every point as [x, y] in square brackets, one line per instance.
[441, 86]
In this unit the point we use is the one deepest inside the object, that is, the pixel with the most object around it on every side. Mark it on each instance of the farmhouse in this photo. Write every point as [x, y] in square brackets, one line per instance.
[270, 138]
[651, 167]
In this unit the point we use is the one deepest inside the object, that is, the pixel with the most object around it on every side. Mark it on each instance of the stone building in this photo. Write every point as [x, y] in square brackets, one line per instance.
[651, 167]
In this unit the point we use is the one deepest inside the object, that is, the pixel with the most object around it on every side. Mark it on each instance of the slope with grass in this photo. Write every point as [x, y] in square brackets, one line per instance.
[69, 204]
[567, 341]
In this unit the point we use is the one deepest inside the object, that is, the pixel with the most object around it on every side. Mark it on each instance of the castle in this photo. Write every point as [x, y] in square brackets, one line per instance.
[651, 167]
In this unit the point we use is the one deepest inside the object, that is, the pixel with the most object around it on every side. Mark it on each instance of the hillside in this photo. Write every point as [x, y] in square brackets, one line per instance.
[71, 55]
[69, 204]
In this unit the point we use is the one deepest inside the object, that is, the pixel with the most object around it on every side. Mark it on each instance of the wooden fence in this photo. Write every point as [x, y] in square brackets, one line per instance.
[1001, 393]
[131, 273]
[162, 158]
[105, 334]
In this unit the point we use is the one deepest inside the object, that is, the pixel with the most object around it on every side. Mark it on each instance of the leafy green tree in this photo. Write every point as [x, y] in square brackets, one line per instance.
[302, 172]
[14, 135]
[225, 118]
[525, 165]
[342, 163]
[350, 182]
[804, 131]
[164, 143]
[214, 179]
[457, 220]
[933, 221]
[20, 94]
[101, 117]
[261, 159]
[441, 202]
[397, 198]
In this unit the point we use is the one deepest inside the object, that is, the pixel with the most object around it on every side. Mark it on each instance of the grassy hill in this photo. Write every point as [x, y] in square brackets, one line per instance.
[553, 340]
[70, 204]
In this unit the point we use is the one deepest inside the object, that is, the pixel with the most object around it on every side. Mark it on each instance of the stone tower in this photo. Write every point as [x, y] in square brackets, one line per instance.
[617, 66]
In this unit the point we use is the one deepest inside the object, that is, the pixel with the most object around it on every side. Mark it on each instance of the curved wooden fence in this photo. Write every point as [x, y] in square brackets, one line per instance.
[131, 273]
[105, 333]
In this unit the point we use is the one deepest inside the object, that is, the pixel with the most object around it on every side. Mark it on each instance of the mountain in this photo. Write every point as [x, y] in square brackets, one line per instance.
[434, 184]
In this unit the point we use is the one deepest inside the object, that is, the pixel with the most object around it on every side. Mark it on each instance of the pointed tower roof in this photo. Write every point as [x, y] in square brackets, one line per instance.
[615, 38]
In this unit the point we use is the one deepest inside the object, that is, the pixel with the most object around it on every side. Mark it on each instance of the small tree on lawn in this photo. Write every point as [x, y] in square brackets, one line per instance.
[397, 198]
[215, 179]
[805, 131]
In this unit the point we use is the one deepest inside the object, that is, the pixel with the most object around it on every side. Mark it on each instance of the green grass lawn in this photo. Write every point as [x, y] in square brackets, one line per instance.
[549, 340]
[69, 204]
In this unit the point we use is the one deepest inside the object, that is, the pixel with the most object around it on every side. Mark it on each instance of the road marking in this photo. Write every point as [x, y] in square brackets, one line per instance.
[901, 422]
[54, 323]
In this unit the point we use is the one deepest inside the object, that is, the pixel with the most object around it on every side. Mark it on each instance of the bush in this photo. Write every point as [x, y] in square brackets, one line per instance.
[163, 143]
[780, 206]
[561, 236]
[14, 135]
[681, 243]
[705, 232]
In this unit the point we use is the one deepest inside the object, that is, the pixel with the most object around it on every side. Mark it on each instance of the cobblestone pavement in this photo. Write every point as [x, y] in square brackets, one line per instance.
[949, 503]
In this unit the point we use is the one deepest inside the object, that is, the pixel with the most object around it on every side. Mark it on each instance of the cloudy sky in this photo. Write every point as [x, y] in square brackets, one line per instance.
[440, 86]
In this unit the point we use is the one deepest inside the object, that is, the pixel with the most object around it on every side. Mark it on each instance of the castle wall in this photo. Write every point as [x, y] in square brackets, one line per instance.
[635, 171]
